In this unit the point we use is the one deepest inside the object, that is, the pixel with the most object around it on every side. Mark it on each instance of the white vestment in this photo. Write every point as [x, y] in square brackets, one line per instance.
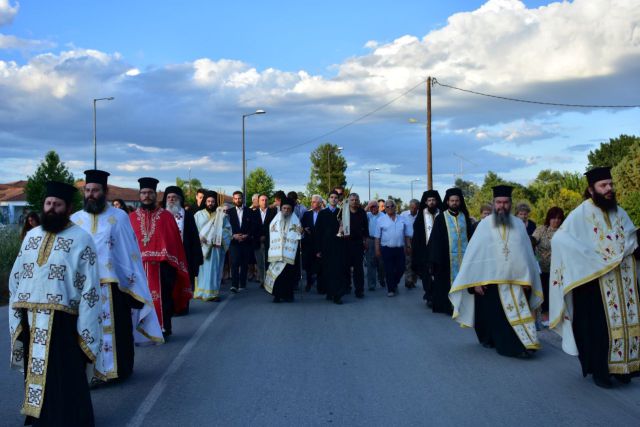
[120, 262]
[216, 229]
[284, 235]
[500, 256]
[52, 273]
[594, 245]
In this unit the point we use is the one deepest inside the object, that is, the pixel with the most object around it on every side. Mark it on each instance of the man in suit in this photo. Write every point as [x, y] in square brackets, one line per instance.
[262, 217]
[241, 220]
[309, 260]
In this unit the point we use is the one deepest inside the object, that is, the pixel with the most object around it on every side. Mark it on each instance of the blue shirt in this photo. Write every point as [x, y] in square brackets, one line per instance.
[392, 232]
[373, 219]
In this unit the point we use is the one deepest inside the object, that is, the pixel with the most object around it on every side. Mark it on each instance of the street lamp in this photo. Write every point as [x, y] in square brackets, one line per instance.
[329, 164]
[244, 162]
[369, 172]
[95, 144]
[412, 181]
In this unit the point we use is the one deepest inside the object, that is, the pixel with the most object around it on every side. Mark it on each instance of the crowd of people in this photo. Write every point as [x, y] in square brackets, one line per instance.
[89, 286]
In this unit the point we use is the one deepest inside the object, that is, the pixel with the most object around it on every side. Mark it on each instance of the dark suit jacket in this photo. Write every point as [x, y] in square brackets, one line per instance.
[247, 227]
[191, 242]
[308, 239]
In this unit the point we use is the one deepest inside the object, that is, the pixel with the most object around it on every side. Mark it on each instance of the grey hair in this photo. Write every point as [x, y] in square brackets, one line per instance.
[317, 196]
[391, 202]
[523, 207]
[415, 202]
[354, 194]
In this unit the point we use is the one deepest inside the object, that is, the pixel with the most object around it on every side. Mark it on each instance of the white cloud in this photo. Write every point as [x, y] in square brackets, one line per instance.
[204, 163]
[8, 12]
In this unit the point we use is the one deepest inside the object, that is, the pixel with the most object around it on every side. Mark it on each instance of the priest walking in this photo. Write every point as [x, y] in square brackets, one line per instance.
[285, 231]
[594, 284]
[173, 201]
[447, 245]
[428, 209]
[215, 236]
[331, 250]
[162, 255]
[488, 293]
[54, 315]
[123, 283]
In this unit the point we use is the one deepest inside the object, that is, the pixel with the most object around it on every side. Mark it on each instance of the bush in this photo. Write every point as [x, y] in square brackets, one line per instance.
[9, 248]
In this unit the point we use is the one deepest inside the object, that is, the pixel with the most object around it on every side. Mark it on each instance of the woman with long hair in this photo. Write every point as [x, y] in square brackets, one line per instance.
[31, 221]
[120, 204]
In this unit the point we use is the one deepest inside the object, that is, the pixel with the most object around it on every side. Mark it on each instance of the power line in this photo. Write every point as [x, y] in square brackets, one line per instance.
[556, 104]
[338, 129]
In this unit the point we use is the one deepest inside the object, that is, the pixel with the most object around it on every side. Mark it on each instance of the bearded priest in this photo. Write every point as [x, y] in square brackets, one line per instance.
[489, 291]
[593, 297]
[162, 255]
[285, 231]
[123, 283]
[54, 315]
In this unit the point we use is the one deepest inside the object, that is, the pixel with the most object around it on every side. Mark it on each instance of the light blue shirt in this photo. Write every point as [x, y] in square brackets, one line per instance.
[392, 232]
[373, 219]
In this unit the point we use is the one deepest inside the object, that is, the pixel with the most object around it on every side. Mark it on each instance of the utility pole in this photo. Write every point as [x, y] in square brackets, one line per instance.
[429, 164]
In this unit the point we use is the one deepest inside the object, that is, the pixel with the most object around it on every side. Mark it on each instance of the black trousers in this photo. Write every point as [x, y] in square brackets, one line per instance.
[167, 282]
[355, 260]
[240, 254]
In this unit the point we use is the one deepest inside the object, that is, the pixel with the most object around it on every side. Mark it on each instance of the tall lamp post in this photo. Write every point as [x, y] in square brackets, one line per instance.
[369, 172]
[329, 164]
[95, 143]
[412, 181]
[244, 161]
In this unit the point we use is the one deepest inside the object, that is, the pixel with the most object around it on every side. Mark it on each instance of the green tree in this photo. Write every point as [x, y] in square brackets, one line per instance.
[259, 182]
[485, 193]
[626, 178]
[613, 152]
[51, 169]
[328, 168]
[189, 188]
[565, 198]
[469, 188]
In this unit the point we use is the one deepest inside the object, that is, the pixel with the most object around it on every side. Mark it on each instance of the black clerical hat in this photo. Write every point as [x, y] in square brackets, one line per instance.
[502, 191]
[172, 189]
[430, 193]
[598, 174]
[210, 193]
[95, 176]
[61, 190]
[148, 182]
[453, 192]
[287, 201]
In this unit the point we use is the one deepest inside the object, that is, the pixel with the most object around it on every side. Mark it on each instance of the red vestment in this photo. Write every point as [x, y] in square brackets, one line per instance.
[159, 240]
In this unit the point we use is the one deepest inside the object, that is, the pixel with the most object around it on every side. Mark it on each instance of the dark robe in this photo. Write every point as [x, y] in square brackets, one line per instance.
[285, 283]
[438, 250]
[123, 330]
[420, 256]
[491, 324]
[67, 401]
[192, 250]
[333, 276]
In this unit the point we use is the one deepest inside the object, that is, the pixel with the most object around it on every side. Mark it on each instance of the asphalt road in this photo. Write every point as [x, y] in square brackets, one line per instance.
[373, 362]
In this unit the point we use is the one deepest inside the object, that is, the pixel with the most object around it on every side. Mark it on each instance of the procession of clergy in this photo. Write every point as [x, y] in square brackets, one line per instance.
[86, 287]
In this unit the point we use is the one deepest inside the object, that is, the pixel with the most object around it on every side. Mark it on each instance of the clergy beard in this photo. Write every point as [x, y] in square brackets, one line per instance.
[608, 205]
[148, 206]
[432, 210]
[95, 206]
[53, 222]
[502, 218]
[211, 209]
[173, 208]
[454, 212]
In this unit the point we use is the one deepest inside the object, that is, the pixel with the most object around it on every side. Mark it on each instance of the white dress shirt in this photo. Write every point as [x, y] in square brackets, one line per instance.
[239, 211]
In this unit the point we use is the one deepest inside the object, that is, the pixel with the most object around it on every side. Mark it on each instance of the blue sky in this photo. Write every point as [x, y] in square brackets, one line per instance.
[184, 73]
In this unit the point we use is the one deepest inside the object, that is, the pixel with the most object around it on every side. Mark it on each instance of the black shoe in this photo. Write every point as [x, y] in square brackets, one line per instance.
[276, 299]
[487, 345]
[429, 303]
[525, 355]
[360, 295]
[307, 288]
[234, 289]
[603, 382]
[288, 299]
[337, 301]
[383, 285]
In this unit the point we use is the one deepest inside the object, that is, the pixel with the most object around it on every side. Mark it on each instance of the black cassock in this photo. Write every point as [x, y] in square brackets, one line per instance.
[491, 324]
[192, 249]
[67, 401]
[420, 256]
[285, 283]
[123, 329]
[332, 277]
[438, 250]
